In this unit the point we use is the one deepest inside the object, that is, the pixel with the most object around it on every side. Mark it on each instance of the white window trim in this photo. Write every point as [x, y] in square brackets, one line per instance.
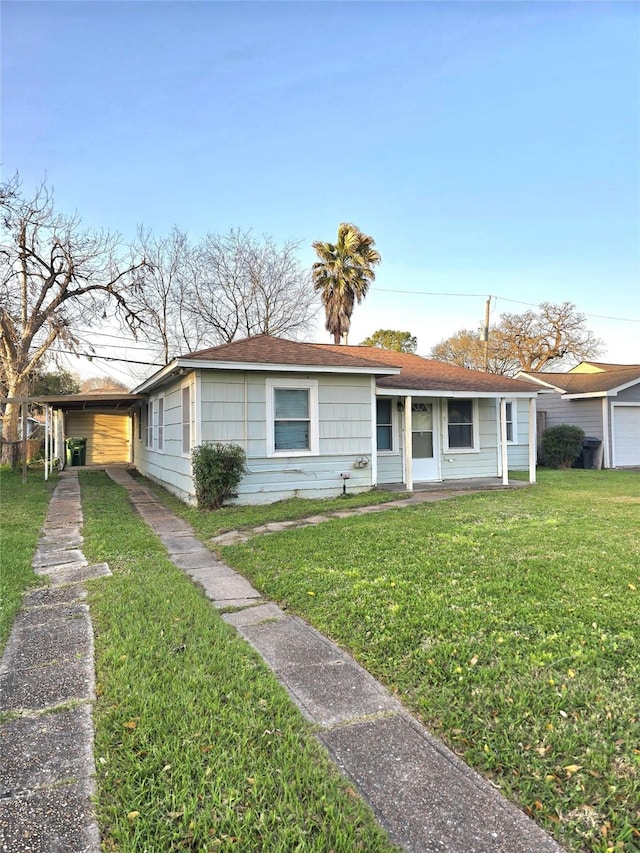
[475, 415]
[148, 438]
[514, 419]
[310, 385]
[188, 385]
[160, 439]
[394, 428]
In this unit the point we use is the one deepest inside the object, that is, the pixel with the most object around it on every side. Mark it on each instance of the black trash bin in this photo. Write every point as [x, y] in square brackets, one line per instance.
[590, 452]
[76, 451]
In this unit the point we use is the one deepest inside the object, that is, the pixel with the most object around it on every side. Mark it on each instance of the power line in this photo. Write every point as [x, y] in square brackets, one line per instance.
[504, 299]
[90, 356]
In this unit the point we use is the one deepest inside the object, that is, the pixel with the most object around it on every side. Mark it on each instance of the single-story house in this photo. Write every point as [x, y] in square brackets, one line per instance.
[602, 399]
[313, 418]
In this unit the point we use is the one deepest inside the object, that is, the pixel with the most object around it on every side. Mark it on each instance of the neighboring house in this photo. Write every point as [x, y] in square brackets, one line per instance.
[603, 399]
[311, 417]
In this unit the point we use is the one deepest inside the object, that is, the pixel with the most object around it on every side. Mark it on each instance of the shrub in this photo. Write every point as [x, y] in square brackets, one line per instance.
[561, 445]
[217, 470]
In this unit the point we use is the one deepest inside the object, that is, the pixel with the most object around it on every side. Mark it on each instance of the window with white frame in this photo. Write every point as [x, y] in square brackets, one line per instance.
[160, 423]
[186, 418]
[462, 425]
[292, 417]
[150, 408]
[511, 411]
[384, 424]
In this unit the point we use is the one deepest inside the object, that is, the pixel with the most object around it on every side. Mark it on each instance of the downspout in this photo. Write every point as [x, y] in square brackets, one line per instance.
[503, 441]
[533, 439]
[606, 439]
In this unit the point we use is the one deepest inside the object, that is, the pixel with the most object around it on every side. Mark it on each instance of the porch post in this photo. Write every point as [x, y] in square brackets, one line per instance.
[503, 441]
[533, 440]
[408, 468]
[374, 434]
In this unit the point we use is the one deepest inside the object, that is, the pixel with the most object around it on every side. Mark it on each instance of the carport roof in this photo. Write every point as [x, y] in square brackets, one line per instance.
[90, 402]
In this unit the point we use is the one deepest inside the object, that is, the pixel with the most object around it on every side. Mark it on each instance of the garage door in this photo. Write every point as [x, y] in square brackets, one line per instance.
[626, 435]
[107, 435]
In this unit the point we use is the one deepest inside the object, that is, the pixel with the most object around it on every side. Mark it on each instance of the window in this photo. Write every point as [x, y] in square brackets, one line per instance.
[292, 417]
[161, 423]
[384, 426]
[186, 419]
[512, 429]
[150, 424]
[292, 423]
[461, 425]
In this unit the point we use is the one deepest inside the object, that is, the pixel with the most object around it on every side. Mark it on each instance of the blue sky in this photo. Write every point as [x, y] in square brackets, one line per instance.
[490, 148]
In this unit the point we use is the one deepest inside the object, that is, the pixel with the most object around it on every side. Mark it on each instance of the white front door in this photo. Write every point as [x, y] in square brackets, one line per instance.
[424, 440]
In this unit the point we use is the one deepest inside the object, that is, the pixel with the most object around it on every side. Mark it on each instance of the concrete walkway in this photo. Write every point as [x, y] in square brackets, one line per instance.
[428, 800]
[46, 695]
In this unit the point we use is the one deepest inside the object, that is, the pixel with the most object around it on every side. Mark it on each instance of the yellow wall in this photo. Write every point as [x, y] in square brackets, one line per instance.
[108, 436]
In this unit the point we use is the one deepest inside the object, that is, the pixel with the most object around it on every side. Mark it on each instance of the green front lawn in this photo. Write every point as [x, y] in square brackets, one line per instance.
[508, 621]
[198, 747]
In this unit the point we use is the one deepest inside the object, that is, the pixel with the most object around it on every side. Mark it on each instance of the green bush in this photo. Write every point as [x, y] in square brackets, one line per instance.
[217, 470]
[561, 445]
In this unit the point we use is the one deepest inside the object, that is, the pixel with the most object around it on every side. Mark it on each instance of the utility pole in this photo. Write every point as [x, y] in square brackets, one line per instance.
[485, 333]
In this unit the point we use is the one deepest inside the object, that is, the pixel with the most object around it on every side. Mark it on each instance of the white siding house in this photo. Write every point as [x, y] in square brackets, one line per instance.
[314, 419]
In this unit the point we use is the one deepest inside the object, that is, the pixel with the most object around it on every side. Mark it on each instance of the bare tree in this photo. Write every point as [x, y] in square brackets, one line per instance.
[55, 276]
[169, 325]
[242, 286]
[529, 341]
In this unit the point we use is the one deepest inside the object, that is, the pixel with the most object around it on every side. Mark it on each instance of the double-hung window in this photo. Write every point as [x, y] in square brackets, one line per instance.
[510, 418]
[462, 427]
[186, 418]
[150, 408]
[384, 424]
[160, 423]
[292, 417]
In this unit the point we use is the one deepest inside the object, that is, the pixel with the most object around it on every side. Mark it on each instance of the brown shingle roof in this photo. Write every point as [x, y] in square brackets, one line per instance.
[266, 349]
[613, 376]
[416, 373]
[419, 373]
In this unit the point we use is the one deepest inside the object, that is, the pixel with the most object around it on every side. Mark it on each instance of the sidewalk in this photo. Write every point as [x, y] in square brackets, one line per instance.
[46, 693]
[423, 794]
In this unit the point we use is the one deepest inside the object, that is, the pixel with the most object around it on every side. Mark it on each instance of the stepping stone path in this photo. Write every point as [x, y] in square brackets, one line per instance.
[46, 692]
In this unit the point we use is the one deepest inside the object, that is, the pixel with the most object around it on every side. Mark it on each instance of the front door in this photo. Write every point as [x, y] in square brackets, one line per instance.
[424, 456]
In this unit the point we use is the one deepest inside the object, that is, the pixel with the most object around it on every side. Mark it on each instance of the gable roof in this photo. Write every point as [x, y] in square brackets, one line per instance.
[418, 374]
[606, 381]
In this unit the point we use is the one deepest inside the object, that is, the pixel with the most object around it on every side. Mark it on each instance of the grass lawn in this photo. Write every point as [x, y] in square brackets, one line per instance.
[23, 508]
[208, 524]
[508, 621]
[198, 748]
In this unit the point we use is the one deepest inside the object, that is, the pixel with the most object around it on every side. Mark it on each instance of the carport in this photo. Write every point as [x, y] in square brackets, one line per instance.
[105, 421]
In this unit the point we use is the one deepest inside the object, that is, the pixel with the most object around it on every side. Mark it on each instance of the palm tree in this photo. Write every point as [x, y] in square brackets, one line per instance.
[342, 275]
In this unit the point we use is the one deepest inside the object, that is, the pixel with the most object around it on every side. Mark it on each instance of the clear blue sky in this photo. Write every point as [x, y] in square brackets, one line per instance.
[488, 147]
